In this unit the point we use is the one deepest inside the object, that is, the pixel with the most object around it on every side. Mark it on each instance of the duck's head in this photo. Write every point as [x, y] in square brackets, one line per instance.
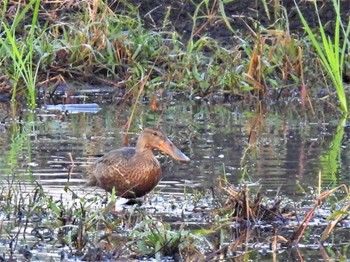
[153, 137]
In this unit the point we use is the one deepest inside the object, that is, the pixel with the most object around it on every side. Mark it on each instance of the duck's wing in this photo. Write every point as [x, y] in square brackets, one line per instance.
[118, 157]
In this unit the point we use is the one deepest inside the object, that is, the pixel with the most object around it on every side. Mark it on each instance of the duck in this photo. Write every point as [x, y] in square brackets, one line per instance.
[133, 172]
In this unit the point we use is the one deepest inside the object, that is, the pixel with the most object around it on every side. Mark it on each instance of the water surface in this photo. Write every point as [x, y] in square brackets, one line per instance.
[281, 148]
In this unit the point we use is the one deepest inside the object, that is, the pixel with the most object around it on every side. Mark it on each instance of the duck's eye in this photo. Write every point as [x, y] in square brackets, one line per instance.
[155, 134]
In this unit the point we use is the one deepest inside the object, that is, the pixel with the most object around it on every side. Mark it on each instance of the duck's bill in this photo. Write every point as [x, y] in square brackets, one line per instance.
[169, 148]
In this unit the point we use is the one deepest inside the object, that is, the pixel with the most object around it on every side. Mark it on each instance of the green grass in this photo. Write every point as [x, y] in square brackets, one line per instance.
[79, 46]
[331, 52]
[22, 52]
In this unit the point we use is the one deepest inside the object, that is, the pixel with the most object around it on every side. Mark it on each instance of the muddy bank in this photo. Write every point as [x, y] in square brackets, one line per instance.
[241, 14]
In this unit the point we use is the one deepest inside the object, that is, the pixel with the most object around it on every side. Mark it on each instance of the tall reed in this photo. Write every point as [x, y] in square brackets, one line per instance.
[331, 52]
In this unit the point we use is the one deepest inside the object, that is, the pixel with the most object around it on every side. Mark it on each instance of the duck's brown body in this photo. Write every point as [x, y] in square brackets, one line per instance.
[134, 171]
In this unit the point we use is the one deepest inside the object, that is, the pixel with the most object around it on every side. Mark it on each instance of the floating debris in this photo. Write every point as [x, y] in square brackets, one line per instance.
[74, 108]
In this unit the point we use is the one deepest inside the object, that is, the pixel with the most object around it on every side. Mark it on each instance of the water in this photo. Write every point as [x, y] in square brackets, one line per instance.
[278, 147]
[282, 148]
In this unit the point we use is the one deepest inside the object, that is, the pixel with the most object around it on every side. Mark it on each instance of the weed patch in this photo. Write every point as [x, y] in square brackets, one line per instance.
[106, 44]
[84, 227]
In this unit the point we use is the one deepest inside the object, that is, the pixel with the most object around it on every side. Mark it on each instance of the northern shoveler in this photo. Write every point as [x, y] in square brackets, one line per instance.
[134, 171]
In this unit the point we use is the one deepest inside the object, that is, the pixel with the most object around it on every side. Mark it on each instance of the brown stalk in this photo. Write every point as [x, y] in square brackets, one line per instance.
[298, 233]
[254, 74]
[334, 222]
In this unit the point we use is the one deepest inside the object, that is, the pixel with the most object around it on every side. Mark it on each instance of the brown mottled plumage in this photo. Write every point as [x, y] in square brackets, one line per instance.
[134, 171]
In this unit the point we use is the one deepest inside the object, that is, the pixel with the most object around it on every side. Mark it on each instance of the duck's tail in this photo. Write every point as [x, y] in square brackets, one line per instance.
[92, 181]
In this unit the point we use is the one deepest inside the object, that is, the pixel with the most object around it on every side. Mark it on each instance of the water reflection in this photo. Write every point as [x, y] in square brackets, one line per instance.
[278, 145]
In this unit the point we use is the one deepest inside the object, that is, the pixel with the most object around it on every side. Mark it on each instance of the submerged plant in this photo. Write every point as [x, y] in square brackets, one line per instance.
[331, 52]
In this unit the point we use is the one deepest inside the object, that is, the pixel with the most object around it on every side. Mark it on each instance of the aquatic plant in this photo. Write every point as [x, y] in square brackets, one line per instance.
[156, 238]
[21, 52]
[331, 52]
[333, 219]
[84, 228]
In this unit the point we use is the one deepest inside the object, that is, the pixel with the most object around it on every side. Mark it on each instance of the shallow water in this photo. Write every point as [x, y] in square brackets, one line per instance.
[287, 149]
[278, 147]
